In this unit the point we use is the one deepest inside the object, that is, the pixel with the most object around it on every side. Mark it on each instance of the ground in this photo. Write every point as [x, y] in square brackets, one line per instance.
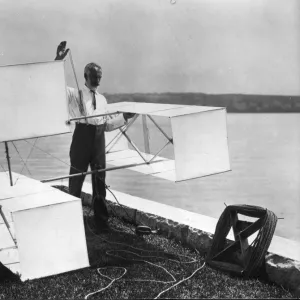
[125, 265]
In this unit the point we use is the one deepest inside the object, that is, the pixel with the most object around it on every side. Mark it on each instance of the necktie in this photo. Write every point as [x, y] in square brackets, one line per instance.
[94, 98]
[80, 103]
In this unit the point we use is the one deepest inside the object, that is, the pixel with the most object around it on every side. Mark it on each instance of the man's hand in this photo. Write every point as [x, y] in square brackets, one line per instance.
[61, 51]
[128, 115]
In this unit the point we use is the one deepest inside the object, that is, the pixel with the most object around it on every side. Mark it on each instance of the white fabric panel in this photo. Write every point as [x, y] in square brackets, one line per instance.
[124, 154]
[187, 110]
[168, 175]
[127, 157]
[48, 226]
[120, 154]
[23, 186]
[33, 100]
[113, 144]
[113, 107]
[155, 168]
[15, 268]
[159, 109]
[5, 238]
[53, 240]
[142, 107]
[44, 198]
[200, 144]
[9, 256]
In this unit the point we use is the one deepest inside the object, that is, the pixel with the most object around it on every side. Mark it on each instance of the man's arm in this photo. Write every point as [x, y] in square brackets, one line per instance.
[115, 122]
[73, 99]
[72, 94]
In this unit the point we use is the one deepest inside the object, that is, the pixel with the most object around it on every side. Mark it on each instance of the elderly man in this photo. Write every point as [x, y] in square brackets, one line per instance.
[88, 143]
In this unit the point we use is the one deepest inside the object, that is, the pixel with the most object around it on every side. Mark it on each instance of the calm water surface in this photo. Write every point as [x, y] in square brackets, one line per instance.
[265, 162]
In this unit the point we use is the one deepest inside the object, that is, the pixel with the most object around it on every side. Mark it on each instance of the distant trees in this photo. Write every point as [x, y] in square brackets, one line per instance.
[237, 103]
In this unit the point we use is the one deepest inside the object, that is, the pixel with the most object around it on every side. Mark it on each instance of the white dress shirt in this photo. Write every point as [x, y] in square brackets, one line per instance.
[87, 109]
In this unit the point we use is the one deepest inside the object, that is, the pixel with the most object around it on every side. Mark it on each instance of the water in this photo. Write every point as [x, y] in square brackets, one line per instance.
[264, 154]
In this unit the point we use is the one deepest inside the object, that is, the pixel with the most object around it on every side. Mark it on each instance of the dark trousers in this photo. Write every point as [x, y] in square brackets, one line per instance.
[88, 148]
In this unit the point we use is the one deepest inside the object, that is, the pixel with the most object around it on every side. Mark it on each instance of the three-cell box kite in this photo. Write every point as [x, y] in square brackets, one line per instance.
[41, 228]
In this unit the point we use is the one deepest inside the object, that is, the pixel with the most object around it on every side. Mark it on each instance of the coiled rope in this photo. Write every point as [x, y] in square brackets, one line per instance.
[176, 258]
[142, 258]
[257, 250]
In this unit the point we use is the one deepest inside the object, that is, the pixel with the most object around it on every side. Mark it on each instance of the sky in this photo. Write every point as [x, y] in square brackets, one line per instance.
[154, 46]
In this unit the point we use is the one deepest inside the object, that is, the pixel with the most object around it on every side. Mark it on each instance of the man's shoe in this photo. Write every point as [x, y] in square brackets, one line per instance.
[102, 228]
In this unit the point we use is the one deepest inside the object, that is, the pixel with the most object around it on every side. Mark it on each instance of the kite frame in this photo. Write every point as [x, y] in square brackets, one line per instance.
[123, 132]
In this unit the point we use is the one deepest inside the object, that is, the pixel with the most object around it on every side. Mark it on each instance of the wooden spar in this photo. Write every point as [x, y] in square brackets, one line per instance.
[133, 145]
[89, 117]
[8, 163]
[131, 142]
[7, 225]
[160, 151]
[116, 138]
[101, 170]
[146, 135]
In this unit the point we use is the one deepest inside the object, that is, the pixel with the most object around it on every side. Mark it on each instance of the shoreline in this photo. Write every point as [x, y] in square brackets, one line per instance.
[234, 103]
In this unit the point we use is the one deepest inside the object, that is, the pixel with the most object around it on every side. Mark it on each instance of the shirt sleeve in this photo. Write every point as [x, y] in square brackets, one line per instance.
[73, 102]
[114, 122]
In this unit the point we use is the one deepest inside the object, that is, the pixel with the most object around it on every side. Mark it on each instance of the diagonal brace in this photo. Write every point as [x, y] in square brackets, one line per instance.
[7, 225]
[116, 138]
[159, 151]
[167, 137]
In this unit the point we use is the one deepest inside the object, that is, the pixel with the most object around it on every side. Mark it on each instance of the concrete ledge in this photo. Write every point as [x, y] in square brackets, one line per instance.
[196, 231]
[284, 271]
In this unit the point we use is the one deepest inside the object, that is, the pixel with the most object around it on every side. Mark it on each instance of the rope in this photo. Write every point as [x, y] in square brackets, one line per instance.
[109, 204]
[3, 169]
[112, 281]
[114, 212]
[261, 243]
[133, 221]
[24, 162]
[143, 250]
[185, 279]
[80, 171]
[110, 253]
[259, 246]
[51, 155]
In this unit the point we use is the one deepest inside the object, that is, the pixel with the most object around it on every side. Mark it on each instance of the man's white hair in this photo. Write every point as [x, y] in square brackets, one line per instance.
[91, 66]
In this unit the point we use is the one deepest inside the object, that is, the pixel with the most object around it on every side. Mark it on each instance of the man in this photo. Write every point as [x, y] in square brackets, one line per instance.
[88, 143]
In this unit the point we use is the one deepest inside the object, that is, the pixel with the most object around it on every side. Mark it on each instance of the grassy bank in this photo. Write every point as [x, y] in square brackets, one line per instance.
[139, 267]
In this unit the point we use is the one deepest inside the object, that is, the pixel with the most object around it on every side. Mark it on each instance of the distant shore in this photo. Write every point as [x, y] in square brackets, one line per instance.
[236, 103]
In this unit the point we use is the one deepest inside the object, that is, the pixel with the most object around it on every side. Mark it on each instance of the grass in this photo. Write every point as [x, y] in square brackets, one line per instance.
[145, 266]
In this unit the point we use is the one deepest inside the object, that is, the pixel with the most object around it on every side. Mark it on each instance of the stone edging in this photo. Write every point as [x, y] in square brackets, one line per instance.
[280, 270]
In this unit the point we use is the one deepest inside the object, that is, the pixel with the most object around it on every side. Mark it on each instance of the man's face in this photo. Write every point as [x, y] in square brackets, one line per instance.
[93, 77]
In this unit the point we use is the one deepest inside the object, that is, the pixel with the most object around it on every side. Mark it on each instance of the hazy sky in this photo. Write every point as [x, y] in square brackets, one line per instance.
[210, 46]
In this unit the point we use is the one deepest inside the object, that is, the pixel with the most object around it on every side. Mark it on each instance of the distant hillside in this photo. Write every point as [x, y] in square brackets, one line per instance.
[236, 103]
